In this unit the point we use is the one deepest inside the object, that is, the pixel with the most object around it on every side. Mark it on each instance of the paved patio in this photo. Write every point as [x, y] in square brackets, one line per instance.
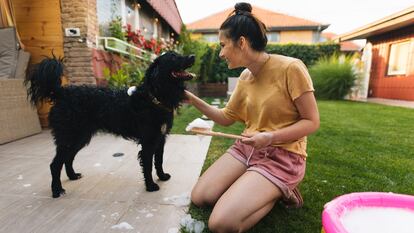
[391, 102]
[111, 192]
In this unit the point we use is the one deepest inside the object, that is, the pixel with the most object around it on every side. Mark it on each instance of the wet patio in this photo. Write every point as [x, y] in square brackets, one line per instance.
[111, 191]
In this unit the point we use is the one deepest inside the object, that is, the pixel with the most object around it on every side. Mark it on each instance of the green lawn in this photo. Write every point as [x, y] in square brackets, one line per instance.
[359, 147]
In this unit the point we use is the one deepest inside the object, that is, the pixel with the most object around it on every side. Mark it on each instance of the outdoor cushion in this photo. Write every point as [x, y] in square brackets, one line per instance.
[8, 52]
[22, 62]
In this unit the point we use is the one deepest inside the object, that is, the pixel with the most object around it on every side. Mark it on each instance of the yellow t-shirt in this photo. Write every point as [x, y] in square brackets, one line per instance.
[265, 102]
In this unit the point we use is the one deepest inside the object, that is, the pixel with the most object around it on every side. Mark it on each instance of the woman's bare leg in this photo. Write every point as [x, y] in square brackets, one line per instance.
[247, 201]
[216, 180]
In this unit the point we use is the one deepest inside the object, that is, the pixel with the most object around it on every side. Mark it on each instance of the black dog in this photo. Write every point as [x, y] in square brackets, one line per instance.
[144, 114]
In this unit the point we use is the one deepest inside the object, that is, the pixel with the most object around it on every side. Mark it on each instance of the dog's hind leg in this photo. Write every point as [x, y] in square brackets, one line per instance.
[81, 141]
[145, 156]
[55, 169]
[70, 172]
[158, 160]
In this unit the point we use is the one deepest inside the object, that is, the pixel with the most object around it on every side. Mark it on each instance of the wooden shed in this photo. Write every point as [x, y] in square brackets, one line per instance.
[389, 55]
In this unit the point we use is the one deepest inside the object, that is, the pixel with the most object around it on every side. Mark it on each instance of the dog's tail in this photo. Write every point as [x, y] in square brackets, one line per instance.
[45, 80]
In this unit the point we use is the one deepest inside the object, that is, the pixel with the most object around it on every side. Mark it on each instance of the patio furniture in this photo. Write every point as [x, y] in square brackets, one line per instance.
[18, 118]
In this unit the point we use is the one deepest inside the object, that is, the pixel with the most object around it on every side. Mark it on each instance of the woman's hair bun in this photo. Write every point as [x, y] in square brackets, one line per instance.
[243, 6]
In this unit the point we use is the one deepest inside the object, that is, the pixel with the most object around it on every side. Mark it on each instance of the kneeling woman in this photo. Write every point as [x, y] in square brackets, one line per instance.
[274, 99]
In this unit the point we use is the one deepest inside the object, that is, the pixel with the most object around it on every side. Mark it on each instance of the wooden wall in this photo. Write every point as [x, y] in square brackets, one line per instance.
[40, 27]
[396, 86]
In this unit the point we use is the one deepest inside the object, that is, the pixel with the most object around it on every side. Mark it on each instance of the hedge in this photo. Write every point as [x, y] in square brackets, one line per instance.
[211, 69]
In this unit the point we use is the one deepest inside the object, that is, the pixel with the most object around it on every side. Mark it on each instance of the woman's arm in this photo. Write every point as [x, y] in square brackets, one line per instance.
[308, 123]
[211, 112]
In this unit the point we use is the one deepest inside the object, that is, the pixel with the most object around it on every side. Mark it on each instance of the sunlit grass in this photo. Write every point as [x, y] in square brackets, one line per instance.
[359, 147]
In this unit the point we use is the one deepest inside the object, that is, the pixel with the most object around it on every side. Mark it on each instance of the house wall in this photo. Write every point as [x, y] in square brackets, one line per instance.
[396, 86]
[305, 37]
[147, 16]
[40, 28]
[109, 10]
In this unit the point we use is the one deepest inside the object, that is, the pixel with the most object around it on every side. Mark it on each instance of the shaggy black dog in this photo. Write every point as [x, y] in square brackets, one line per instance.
[144, 114]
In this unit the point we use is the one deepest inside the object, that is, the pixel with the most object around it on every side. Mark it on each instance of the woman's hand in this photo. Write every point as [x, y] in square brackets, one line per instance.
[188, 97]
[258, 140]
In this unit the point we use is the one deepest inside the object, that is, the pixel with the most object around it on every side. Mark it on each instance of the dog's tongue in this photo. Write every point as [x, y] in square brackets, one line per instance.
[182, 74]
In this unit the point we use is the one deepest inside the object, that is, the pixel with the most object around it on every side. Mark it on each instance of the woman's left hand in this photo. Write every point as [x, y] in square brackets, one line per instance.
[258, 140]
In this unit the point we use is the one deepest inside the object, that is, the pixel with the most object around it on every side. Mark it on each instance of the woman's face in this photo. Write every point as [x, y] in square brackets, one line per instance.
[230, 51]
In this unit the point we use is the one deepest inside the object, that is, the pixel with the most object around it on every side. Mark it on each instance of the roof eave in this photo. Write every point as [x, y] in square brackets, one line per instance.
[300, 28]
[387, 24]
[204, 30]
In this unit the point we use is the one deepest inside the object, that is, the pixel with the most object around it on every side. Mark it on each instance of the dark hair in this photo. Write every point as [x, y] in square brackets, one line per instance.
[241, 22]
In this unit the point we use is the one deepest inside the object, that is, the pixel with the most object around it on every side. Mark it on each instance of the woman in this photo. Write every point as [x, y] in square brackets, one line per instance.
[274, 99]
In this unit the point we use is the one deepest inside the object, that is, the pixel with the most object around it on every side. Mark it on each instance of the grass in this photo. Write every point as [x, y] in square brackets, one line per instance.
[359, 147]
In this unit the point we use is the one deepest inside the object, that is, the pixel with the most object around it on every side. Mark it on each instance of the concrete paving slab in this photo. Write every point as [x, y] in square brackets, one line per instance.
[390, 102]
[111, 192]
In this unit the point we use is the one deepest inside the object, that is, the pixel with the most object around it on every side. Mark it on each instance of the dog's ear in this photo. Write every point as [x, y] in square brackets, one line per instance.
[152, 72]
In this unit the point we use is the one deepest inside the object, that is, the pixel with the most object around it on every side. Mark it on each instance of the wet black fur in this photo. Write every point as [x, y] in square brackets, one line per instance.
[79, 112]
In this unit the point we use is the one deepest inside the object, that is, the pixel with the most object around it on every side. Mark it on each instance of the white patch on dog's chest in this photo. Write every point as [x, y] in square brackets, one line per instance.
[164, 128]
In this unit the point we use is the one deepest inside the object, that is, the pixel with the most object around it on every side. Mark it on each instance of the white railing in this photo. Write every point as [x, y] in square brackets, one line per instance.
[120, 46]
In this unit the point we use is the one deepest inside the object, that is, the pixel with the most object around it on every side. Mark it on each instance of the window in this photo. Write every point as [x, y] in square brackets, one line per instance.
[106, 12]
[317, 37]
[273, 37]
[211, 38]
[398, 58]
[130, 14]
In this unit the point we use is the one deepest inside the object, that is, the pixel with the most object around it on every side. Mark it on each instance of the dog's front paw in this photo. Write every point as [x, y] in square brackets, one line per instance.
[164, 176]
[58, 192]
[75, 176]
[152, 187]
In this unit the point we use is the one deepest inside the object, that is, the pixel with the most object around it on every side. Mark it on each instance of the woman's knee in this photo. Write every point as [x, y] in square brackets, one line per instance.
[217, 223]
[197, 198]
[202, 197]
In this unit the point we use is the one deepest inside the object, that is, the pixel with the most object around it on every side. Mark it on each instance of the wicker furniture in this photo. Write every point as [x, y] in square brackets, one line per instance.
[18, 118]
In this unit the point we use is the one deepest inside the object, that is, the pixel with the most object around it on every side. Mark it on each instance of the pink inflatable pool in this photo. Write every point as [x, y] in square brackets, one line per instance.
[335, 210]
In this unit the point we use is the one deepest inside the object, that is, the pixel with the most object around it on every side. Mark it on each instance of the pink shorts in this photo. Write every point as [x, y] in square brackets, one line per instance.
[283, 168]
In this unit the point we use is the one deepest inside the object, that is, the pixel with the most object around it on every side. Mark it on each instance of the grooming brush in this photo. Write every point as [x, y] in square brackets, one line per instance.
[199, 126]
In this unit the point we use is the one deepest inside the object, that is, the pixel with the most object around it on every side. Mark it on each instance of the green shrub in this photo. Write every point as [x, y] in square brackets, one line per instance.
[333, 77]
[131, 73]
[214, 69]
[209, 67]
[308, 53]
[115, 28]
[189, 46]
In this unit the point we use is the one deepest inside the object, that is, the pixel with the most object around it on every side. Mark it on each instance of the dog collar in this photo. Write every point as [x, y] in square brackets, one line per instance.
[155, 101]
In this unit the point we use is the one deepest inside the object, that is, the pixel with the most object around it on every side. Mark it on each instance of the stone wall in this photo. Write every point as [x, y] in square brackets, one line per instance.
[78, 50]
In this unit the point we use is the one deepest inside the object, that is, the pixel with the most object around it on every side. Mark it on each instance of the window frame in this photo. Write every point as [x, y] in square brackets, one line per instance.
[392, 58]
[277, 33]
[210, 37]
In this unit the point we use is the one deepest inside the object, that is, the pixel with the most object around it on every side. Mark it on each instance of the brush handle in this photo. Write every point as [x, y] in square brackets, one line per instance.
[220, 134]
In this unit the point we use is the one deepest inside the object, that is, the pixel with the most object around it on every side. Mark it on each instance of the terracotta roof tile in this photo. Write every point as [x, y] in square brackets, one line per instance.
[269, 18]
[345, 45]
